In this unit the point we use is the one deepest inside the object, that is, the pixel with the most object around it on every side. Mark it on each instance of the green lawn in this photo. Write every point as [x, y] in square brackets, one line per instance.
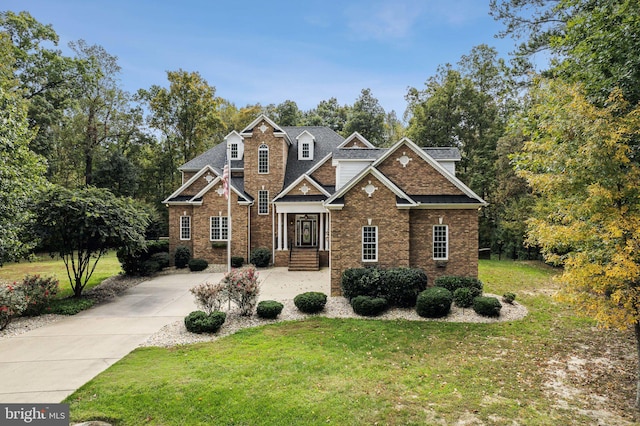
[108, 266]
[354, 372]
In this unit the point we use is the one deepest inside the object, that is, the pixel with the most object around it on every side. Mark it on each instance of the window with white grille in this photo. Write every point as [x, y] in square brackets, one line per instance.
[219, 228]
[440, 242]
[369, 243]
[263, 202]
[263, 159]
[185, 227]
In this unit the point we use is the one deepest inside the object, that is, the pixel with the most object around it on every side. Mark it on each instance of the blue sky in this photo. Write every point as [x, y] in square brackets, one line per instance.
[270, 51]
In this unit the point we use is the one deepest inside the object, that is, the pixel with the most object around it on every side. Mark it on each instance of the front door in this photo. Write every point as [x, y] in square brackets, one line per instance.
[306, 231]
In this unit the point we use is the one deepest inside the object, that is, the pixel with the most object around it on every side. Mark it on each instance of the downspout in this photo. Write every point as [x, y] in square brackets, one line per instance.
[273, 236]
[249, 233]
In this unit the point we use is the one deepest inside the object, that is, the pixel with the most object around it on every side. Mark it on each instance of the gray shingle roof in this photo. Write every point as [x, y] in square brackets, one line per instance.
[440, 153]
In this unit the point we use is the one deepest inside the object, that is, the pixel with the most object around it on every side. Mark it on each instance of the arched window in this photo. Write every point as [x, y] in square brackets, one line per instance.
[263, 159]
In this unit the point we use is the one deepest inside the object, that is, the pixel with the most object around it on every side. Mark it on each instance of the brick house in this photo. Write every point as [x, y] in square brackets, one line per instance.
[316, 199]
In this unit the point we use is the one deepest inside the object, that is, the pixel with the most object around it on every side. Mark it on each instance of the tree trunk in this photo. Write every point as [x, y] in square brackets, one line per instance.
[637, 331]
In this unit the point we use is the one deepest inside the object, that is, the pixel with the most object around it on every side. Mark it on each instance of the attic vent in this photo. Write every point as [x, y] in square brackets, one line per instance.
[209, 178]
[404, 160]
[263, 127]
[304, 189]
[369, 189]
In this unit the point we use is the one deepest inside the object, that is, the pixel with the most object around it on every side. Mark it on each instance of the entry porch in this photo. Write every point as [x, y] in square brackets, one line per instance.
[301, 239]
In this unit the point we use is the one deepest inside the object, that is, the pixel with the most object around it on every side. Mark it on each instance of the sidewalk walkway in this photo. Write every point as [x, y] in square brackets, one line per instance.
[47, 364]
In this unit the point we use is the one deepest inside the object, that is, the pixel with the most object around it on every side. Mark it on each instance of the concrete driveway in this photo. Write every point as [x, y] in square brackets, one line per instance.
[47, 364]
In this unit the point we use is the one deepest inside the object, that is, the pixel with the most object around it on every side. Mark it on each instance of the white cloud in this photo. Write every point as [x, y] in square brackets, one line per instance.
[383, 20]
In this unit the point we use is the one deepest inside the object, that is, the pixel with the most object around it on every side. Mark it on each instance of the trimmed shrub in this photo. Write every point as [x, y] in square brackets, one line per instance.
[162, 258]
[261, 257]
[401, 286]
[243, 288]
[131, 260]
[182, 257]
[148, 267]
[199, 322]
[237, 261]
[38, 293]
[434, 302]
[197, 265]
[210, 297]
[463, 297]
[452, 283]
[487, 306]
[310, 302]
[361, 282]
[368, 306]
[12, 303]
[509, 298]
[269, 309]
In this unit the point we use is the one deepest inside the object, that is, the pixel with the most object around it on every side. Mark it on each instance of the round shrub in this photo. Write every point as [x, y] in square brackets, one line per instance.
[310, 302]
[237, 261]
[453, 283]
[162, 258]
[196, 265]
[401, 286]
[487, 306]
[199, 322]
[261, 257]
[149, 267]
[434, 302]
[463, 297]
[361, 282]
[368, 306]
[269, 309]
[509, 298]
[182, 257]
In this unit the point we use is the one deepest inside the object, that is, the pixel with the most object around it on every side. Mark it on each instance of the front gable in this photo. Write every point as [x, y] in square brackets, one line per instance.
[303, 188]
[193, 186]
[356, 140]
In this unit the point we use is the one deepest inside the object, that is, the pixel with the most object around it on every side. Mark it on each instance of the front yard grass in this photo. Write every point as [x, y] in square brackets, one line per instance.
[357, 371]
[108, 266]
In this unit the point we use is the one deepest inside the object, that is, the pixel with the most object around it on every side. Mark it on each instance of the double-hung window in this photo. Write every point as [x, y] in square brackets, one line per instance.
[263, 159]
[369, 243]
[219, 228]
[185, 227]
[234, 151]
[440, 242]
[263, 202]
[306, 151]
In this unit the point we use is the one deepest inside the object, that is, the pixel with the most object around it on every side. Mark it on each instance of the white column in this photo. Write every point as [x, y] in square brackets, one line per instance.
[321, 232]
[279, 231]
[286, 226]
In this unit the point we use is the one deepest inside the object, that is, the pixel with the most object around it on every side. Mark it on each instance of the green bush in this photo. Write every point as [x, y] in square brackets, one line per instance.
[261, 257]
[434, 302]
[237, 261]
[269, 309]
[509, 298]
[452, 283]
[361, 282]
[310, 302]
[463, 297]
[182, 257]
[196, 265]
[368, 306]
[162, 258]
[38, 293]
[487, 306]
[149, 267]
[132, 260]
[70, 306]
[401, 286]
[199, 322]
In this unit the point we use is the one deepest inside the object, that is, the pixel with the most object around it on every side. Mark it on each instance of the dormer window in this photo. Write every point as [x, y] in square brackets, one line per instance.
[234, 151]
[263, 159]
[306, 151]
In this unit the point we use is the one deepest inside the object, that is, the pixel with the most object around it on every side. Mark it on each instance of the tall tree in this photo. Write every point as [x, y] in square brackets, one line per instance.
[21, 170]
[579, 163]
[366, 117]
[288, 114]
[186, 114]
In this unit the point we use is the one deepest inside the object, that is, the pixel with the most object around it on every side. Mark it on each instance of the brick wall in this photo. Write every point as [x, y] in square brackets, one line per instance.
[325, 174]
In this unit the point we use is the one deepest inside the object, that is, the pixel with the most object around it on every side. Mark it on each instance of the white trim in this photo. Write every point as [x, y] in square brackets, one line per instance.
[297, 182]
[318, 164]
[221, 228]
[267, 200]
[190, 181]
[378, 175]
[356, 135]
[377, 243]
[446, 242]
[187, 227]
[277, 130]
[263, 148]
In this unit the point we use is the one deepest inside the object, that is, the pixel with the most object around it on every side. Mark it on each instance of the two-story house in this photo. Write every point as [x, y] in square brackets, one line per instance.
[316, 199]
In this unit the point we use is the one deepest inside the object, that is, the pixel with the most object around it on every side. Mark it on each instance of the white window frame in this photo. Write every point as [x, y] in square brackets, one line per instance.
[263, 163]
[185, 227]
[366, 246]
[440, 241]
[306, 146]
[263, 202]
[234, 151]
[219, 228]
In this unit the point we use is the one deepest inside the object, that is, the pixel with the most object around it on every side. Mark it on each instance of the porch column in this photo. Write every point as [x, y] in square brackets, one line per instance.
[286, 226]
[321, 232]
[279, 231]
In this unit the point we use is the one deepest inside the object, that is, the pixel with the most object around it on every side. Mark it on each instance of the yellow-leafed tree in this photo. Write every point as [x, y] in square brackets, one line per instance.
[583, 165]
